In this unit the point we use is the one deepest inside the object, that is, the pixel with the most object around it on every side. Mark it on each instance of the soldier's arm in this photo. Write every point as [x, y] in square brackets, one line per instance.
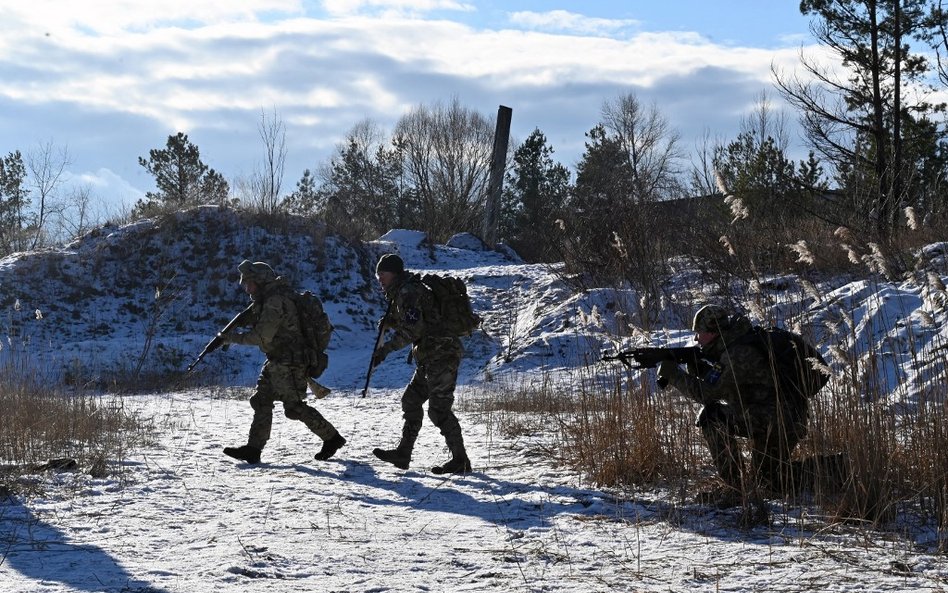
[263, 331]
[409, 322]
[244, 318]
[714, 382]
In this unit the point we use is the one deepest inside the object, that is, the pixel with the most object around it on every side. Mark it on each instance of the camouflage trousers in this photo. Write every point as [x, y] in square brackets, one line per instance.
[772, 436]
[287, 384]
[434, 382]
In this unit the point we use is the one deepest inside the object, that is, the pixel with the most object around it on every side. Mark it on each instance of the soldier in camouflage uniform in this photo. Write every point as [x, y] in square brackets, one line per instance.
[274, 327]
[740, 398]
[410, 318]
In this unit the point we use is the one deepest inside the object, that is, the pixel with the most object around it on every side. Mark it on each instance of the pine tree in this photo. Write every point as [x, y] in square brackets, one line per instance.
[534, 197]
[181, 178]
[855, 120]
[14, 202]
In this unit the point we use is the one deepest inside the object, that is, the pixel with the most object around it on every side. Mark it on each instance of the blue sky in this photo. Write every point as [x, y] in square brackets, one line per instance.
[110, 80]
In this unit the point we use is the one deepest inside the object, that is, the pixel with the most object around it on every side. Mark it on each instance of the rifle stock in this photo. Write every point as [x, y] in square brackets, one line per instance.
[218, 340]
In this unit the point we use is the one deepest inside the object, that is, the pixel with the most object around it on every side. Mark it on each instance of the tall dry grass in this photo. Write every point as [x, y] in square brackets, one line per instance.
[624, 434]
[41, 423]
[614, 429]
[861, 461]
[877, 446]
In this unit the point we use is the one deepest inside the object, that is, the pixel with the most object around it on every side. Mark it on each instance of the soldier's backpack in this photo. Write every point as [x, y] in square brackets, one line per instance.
[456, 315]
[791, 358]
[316, 329]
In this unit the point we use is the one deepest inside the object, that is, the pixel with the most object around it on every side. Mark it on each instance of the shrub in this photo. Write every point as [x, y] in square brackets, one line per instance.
[41, 424]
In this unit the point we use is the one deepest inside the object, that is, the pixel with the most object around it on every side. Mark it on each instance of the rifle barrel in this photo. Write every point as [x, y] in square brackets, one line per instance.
[216, 341]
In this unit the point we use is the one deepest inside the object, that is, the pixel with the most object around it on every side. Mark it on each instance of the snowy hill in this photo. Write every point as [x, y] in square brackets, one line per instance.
[149, 295]
[152, 293]
[145, 298]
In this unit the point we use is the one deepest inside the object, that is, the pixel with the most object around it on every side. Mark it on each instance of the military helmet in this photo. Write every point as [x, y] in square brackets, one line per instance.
[257, 271]
[710, 318]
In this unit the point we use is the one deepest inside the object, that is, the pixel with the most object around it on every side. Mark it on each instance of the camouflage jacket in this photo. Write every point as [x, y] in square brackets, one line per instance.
[274, 325]
[740, 375]
[411, 315]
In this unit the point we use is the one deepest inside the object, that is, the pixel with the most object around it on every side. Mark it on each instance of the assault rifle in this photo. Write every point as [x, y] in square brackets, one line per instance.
[649, 358]
[218, 340]
[379, 339]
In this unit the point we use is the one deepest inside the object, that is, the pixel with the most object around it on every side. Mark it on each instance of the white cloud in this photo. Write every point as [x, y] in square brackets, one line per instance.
[111, 16]
[565, 21]
[110, 190]
[323, 76]
[794, 39]
[392, 7]
[165, 73]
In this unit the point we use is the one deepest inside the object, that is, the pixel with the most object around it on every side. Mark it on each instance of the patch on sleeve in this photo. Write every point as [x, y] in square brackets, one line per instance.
[713, 376]
[412, 315]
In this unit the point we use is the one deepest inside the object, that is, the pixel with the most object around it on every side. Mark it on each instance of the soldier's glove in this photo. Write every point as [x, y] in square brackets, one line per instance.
[667, 369]
[379, 355]
[223, 341]
[215, 343]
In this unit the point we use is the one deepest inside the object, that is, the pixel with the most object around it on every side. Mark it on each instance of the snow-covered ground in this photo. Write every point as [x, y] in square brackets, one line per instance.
[181, 517]
[178, 516]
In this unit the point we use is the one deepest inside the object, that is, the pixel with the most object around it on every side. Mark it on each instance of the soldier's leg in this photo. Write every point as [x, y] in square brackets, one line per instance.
[441, 384]
[770, 458]
[313, 420]
[772, 444]
[413, 414]
[262, 404]
[442, 378]
[290, 383]
[720, 426]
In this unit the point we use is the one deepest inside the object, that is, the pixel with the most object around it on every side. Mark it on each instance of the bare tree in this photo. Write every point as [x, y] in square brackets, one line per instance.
[46, 165]
[650, 143]
[265, 184]
[702, 180]
[446, 151]
[79, 215]
[763, 123]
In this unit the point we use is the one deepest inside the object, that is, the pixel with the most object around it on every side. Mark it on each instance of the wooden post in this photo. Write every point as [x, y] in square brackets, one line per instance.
[495, 186]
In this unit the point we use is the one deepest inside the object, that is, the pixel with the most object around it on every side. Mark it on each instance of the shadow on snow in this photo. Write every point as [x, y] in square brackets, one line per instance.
[523, 506]
[42, 552]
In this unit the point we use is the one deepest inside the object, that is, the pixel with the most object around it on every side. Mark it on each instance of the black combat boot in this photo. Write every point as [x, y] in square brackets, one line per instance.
[330, 447]
[244, 453]
[399, 457]
[459, 464]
